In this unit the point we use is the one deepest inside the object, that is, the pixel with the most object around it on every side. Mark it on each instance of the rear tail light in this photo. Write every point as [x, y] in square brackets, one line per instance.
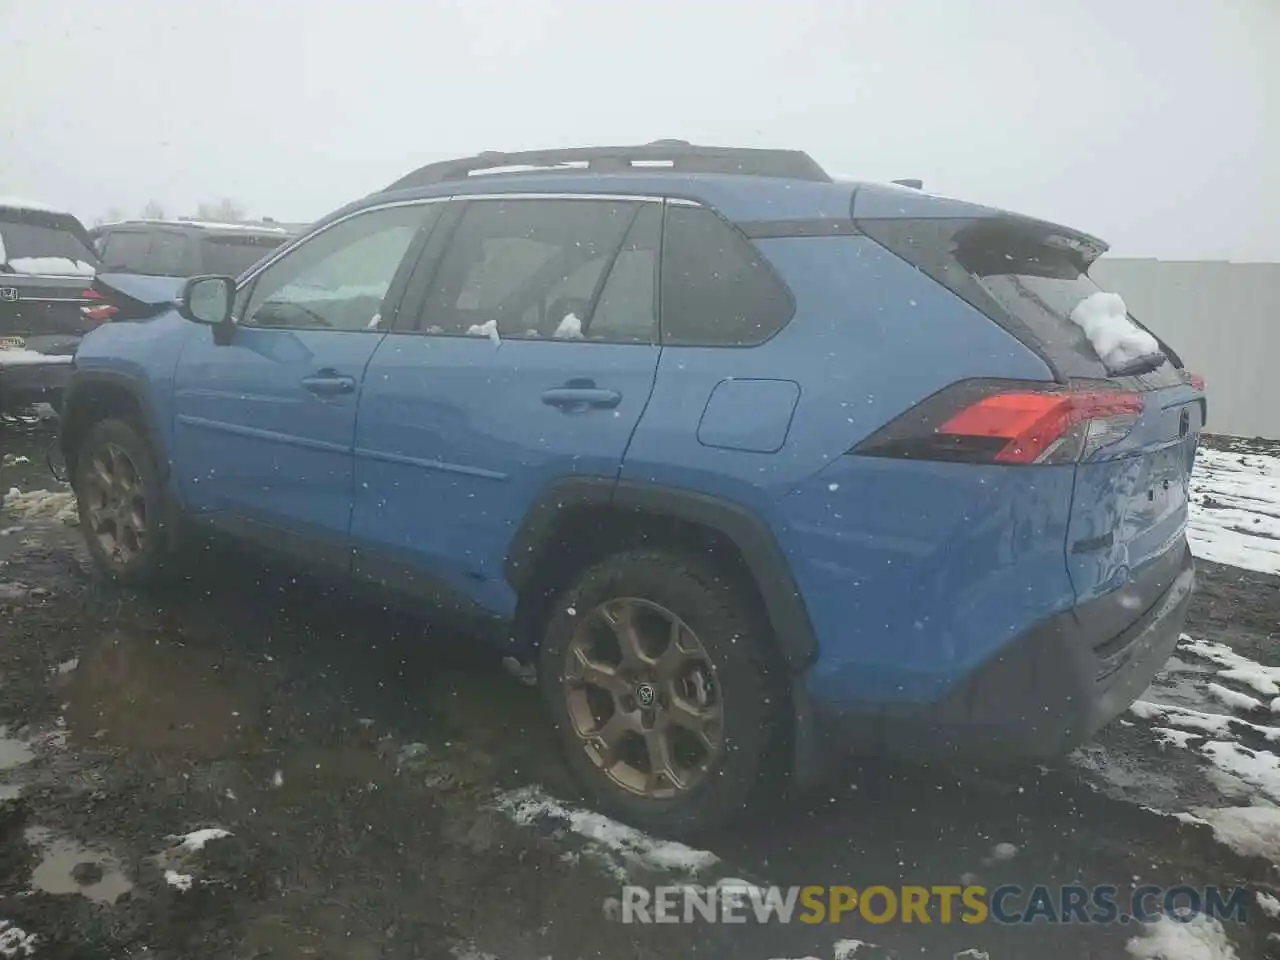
[985, 421]
[98, 310]
[1195, 380]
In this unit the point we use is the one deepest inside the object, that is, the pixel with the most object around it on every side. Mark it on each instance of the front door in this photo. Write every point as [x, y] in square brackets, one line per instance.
[264, 421]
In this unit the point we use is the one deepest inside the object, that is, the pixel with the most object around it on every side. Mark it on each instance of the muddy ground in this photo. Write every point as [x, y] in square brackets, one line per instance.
[353, 755]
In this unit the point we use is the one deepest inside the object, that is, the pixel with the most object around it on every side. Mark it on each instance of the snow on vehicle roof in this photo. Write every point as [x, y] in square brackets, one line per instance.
[202, 224]
[18, 203]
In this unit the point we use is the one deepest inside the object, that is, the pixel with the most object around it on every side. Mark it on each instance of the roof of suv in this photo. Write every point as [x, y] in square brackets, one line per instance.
[770, 189]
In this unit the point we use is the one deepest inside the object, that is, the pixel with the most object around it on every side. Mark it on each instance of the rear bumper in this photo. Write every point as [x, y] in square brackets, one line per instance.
[1045, 693]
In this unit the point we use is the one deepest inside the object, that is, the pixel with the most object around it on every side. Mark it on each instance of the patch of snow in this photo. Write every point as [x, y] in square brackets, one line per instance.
[14, 942]
[18, 357]
[1004, 851]
[849, 949]
[12, 459]
[1265, 680]
[1200, 938]
[51, 266]
[42, 505]
[1235, 510]
[196, 839]
[619, 845]
[1269, 904]
[277, 779]
[68, 665]
[487, 329]
[468, 951]
[1249, 831]
[1176, 738]
[1258, 768]
[20, 203]
[1236, 701]
[1183, 717]
[570, 328]
[180, 880]
[1117, 340]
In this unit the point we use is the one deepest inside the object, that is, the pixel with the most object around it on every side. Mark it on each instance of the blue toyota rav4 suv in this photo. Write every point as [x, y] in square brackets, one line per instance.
[748, 461]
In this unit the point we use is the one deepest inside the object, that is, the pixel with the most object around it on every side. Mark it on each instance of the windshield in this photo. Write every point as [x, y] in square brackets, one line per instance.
[231, 256]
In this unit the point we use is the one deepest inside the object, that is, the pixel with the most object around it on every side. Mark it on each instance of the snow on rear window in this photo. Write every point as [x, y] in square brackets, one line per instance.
[38, 238]
[1118, 341]
[50, 266]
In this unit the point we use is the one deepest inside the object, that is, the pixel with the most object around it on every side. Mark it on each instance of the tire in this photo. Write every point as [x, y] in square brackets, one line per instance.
[739, 676]
[138, 556]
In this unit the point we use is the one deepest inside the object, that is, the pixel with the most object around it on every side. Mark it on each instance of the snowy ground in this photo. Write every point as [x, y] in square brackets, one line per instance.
[1235, 515]
[293, 774]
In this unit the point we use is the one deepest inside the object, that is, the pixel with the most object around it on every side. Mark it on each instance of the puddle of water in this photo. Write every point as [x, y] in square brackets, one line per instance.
[13, 753]
[56, 872]
[154, 694]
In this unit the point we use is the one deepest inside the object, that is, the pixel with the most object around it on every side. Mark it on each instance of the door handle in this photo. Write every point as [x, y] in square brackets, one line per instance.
[329, 383]
[570, 399]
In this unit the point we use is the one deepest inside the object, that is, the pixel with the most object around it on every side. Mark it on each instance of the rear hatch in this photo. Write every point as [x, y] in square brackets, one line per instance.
[1129, 509]
[46, 267]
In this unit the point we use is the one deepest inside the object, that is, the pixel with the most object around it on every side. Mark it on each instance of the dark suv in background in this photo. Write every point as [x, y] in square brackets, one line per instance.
[185, 248]
[47, 264]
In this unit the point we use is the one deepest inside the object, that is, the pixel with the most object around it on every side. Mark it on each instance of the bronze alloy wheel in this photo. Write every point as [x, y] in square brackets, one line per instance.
[115, 504]
[642, 697]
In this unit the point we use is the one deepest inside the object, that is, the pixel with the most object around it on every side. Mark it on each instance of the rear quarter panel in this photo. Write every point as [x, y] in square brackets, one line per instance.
[912, 573]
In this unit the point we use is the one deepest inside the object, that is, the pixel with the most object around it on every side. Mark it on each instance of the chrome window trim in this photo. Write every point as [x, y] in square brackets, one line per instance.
[285, 249]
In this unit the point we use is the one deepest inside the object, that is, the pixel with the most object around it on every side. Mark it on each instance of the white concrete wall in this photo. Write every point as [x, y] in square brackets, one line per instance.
[1224, 320]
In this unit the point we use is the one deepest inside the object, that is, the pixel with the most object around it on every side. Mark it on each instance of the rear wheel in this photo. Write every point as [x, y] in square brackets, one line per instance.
[657, 672]
[121, 502]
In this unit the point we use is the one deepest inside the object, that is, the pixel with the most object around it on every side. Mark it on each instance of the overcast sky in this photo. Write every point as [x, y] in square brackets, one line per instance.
[1159, 131]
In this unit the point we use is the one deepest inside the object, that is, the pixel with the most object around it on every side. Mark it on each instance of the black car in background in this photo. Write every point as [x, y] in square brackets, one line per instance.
[184, 248]
[47, 264]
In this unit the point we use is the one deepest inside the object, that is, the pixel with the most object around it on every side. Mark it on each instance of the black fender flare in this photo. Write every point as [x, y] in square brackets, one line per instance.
[765, 560]
[83, 382]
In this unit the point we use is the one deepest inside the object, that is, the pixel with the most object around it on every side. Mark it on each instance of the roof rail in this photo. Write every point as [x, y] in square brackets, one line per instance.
[672, 156]
[913, 184]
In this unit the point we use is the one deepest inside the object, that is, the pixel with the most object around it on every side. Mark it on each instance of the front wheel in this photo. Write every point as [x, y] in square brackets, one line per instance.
[121, 502]
[658, 674]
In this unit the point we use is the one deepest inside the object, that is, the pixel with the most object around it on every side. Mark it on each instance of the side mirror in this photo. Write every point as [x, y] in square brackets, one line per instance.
[208, 300]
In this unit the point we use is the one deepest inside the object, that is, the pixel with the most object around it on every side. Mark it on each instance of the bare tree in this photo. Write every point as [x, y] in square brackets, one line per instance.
[153, 210]
[226, 210]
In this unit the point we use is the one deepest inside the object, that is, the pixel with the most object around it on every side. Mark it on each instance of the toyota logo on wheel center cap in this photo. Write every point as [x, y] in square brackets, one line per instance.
[645, 695]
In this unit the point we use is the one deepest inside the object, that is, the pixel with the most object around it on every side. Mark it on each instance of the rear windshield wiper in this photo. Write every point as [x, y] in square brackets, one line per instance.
[1148, 364]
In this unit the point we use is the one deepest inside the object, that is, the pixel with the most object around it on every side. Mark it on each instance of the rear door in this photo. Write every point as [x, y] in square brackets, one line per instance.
[525, 356]
[1129, 510]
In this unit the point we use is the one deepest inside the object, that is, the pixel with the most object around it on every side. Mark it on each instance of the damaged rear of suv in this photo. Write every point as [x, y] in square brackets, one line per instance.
[47, 265]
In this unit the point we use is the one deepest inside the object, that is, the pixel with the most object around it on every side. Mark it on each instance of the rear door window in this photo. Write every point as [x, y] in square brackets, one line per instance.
[168, 254]
[717, 288]
[125, 251]
[232, 256]
[526, 268]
